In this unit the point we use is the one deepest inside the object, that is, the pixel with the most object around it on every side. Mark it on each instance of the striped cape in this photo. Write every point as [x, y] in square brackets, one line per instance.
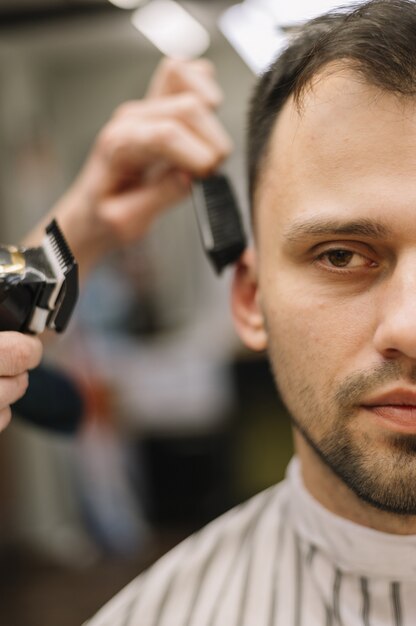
[279, 559]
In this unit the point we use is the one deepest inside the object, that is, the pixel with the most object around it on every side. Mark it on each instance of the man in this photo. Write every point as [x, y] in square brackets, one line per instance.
[329, 288]
[142, 163]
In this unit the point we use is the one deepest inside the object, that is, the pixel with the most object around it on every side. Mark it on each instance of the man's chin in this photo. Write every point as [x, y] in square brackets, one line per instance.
[381, 473]
[383, 477]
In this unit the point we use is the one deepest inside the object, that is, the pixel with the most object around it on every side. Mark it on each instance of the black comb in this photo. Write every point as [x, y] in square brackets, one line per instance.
[219, 220]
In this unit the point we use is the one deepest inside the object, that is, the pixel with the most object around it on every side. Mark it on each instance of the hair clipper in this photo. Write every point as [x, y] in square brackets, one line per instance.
[38, 286]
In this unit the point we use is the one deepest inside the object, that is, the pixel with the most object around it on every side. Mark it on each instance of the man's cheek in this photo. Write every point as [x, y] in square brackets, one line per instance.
[299, 322]
[305, 351]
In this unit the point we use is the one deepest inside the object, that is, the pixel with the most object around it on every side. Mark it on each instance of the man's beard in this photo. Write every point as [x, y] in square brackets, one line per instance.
[384, 477]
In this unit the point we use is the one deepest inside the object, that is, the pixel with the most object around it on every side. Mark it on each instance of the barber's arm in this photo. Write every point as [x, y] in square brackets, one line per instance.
[143, 161]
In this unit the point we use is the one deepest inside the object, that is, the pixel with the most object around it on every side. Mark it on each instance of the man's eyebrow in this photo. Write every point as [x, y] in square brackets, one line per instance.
[316, 227]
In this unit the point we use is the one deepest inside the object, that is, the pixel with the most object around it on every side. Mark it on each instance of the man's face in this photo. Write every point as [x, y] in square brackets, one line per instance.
[336, 280]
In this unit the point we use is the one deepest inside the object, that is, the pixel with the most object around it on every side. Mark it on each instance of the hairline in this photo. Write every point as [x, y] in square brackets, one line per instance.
[297, 97]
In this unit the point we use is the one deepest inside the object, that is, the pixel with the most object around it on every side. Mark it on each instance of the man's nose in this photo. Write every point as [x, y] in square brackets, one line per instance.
[396, 331]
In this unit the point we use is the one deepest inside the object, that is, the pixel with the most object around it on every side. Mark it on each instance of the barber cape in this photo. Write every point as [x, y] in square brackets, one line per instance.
[279, 559]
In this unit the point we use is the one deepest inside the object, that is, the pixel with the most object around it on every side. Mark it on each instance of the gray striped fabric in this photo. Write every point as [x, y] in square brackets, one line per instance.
[278, 560]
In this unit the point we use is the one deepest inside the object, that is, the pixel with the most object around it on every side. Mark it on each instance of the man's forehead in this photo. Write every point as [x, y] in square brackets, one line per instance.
[341, 130]
[338, 99]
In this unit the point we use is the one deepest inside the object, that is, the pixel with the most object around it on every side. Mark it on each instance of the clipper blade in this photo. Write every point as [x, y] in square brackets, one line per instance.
[66, 269]
[60, 246]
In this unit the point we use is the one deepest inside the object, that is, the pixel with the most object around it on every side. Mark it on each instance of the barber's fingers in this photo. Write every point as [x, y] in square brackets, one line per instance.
[186, 108]
[12, 388]
[130, 147]
[18, 353]
[5, 417]
[174, 76]
[130, 215]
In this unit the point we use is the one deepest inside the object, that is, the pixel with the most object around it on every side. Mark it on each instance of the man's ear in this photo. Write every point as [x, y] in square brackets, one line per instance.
[245, 304]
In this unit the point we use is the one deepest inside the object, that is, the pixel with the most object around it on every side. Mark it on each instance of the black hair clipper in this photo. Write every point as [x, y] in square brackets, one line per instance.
[219, 220]
[38, 286]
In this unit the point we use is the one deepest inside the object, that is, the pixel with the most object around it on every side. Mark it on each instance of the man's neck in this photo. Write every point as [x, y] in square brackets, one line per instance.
[328, 489]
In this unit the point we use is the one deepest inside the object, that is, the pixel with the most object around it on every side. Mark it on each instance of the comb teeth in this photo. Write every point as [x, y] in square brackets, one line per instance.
[60, 246]
[220, 221]
[222, 211]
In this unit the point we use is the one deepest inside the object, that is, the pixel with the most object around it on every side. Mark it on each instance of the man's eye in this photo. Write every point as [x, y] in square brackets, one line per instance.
[344, 258]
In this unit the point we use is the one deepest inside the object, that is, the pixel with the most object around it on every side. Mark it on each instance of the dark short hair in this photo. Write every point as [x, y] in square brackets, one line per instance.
[376, 39]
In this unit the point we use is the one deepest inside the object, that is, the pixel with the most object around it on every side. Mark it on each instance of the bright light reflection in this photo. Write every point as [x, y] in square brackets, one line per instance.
[127, 4]
[171, 29]
[253, 27]
[253, 34]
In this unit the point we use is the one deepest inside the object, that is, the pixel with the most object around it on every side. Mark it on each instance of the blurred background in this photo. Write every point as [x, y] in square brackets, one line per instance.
[179, 422]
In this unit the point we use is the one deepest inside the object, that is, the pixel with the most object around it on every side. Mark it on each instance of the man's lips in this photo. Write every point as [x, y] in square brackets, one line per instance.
[395, 410]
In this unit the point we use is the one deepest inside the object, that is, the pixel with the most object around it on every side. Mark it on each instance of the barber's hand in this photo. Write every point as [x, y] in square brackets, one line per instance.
[18, 354]
[144, 159]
